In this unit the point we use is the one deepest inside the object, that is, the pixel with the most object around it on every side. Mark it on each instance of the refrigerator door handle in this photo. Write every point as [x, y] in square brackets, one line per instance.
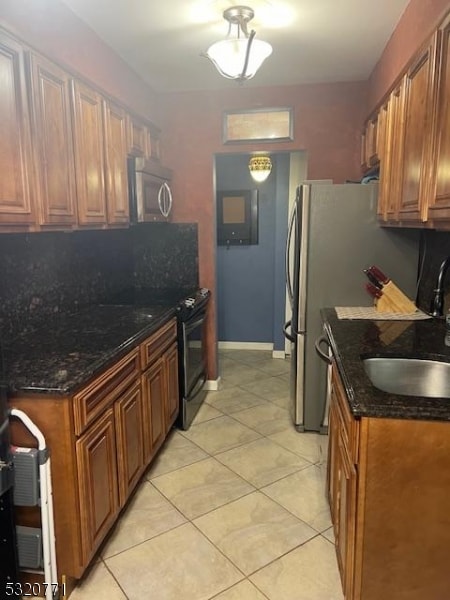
[287, 335]
[292, 219]
[303, 235]
[320, 352]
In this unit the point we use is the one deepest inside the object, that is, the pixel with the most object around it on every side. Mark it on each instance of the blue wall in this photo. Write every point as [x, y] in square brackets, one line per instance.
[250, 279]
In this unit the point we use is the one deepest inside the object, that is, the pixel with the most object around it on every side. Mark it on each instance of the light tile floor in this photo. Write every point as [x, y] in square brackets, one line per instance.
[232, 509]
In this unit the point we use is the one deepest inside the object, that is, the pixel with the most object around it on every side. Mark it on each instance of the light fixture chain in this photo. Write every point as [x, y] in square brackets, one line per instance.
[247, 54]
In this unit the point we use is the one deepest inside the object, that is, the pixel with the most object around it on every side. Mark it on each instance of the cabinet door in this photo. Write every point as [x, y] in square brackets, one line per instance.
[130, 448]
[52, 135]
[333, 468]
[97, 480]
[137, 137]
[384, 157]
[345, 531]
[439, 205]
[155, 392]
[371, 142]
[116, 163]
[173, 392]
[418, 103]
[393, 172]
[15, 145]
[89, 154]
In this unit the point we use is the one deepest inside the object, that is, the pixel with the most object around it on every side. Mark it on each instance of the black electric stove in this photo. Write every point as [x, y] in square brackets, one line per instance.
[191, 310]
[186, 300]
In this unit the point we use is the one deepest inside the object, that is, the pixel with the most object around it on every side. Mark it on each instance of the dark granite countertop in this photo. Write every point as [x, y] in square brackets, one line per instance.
[70, 350]
[352, 340]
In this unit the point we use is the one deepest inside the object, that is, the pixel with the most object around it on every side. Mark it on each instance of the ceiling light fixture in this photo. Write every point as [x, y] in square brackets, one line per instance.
[260, 167]
[240, 56]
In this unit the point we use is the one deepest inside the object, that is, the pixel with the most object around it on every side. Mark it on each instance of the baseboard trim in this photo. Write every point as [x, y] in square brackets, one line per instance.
[213, 385]
[245, 346]
[278, 354]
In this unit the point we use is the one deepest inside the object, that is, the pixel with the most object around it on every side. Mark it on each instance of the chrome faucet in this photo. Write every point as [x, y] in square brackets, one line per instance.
[437, 304]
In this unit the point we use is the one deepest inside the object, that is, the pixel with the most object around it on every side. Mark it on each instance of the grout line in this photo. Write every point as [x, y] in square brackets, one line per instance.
[115, 579]
[208, 454]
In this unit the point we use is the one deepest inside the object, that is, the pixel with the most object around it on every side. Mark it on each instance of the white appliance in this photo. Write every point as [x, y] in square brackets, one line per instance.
[333, 235]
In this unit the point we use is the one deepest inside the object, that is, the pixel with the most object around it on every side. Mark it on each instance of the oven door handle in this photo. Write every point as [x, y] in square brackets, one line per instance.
[188, 326]
[198, 386]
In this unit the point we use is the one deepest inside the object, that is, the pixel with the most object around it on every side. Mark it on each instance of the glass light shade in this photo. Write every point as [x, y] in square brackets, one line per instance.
[260, 168]
[228, 56]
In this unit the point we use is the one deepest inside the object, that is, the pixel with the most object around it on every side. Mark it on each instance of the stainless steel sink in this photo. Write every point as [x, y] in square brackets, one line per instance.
[409, 376]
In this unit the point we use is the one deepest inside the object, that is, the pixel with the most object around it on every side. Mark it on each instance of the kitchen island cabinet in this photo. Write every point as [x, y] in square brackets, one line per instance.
[388, 477]
[103, 436]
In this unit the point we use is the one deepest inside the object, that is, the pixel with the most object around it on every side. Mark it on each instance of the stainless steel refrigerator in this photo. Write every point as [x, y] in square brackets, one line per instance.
[333, 234]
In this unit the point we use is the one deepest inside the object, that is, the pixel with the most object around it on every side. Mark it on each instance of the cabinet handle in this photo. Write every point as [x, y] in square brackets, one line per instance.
[169, 197]
[165, 199]
[320, 352]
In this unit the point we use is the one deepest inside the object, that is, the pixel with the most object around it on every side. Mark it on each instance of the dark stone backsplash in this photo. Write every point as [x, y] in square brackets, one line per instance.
[51, 273]
[159, 263]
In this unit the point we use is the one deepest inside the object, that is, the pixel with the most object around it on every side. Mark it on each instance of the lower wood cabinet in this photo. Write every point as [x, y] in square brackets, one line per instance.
[129, 435]
[101, 441]
[342, 479]
[153, 384]
[98, 478]
[160, 391]
[388, 487]
[172, 403]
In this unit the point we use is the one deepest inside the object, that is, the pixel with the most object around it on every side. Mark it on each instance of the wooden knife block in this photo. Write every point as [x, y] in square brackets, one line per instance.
[394, 300]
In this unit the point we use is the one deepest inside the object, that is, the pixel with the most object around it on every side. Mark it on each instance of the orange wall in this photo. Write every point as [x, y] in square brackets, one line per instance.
[415, 25]
[327, 123]
[50, 27]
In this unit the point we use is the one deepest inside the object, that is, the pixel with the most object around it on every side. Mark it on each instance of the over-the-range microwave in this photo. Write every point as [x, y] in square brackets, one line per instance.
[149, 190]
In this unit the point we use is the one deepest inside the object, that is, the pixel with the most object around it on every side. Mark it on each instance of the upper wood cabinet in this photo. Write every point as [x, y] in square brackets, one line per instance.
[137, 137]
[384, 148]
[63, 146]
[393, 168]
[16, 180]
[419, 82]
[371, 142]
[52, 142]
[143, 139]
[115, 128]
[89, 154]
[439, 197]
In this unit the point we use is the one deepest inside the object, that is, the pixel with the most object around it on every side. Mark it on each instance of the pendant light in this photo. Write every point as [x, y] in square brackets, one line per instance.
[260, 167]
[240, 56]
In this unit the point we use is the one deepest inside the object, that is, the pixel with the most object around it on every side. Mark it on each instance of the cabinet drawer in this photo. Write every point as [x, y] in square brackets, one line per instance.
[348, 424]
[156, 344]
[92, 401]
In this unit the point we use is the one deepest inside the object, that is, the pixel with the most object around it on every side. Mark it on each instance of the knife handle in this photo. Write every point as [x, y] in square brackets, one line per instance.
[373, 280]
[378, 273]
[373, 290]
